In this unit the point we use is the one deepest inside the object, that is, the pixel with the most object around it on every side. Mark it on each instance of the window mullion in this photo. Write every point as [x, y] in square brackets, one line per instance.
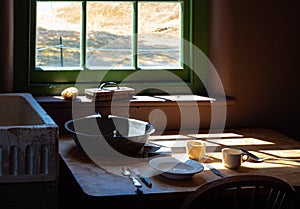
[135, 35]
[183, 11]
[83, 37]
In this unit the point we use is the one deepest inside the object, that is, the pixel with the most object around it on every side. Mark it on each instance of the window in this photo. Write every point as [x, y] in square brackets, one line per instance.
[89, 42]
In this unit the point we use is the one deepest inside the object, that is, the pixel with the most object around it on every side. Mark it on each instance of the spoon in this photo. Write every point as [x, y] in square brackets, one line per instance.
[252, 156]
[259, 160]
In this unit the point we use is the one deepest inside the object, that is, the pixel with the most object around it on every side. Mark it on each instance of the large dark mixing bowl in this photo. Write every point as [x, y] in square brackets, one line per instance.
[125, 135]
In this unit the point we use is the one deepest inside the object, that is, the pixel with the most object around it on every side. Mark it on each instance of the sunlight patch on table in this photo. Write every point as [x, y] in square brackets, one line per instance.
[240, 141]
[180, 145]
[215, 135]
[287, 153]
[168, 137]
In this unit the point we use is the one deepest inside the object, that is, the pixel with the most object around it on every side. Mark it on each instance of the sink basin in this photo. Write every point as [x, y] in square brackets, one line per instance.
[29, 140]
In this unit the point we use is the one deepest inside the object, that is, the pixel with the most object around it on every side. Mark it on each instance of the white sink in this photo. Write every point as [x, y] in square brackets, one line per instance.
[28, 140]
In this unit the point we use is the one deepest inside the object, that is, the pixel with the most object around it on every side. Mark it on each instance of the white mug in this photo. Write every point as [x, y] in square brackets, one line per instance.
[196, 150]
[233, 158]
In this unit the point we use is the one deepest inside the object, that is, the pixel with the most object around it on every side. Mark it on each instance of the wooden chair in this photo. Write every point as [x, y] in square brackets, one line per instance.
[243, 192]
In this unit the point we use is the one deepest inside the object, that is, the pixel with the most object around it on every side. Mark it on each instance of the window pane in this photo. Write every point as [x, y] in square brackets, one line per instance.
[109, 34]
[58, 34]
[159, 39]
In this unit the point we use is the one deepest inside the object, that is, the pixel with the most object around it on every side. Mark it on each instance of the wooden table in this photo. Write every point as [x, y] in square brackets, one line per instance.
[95, 184]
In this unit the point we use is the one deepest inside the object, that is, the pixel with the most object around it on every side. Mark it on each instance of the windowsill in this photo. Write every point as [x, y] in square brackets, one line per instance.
[140, 101]
[140, 107]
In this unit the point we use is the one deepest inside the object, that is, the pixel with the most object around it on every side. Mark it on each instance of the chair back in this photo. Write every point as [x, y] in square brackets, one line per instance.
[243, 192]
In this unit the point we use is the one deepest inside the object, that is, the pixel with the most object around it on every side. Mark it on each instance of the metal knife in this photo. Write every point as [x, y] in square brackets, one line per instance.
[144, 179]
[215, 171]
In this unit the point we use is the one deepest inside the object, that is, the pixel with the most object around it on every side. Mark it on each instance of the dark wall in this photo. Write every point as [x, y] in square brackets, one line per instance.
[6, 45]
[254, 45]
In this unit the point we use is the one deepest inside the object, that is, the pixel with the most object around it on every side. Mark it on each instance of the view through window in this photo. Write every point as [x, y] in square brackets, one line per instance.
[97, 35]
[146, 44]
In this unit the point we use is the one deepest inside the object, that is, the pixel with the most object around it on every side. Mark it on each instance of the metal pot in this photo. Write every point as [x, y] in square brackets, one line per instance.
[125, 135]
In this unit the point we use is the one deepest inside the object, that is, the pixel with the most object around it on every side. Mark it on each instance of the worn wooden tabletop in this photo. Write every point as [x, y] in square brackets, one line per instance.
[104, 178]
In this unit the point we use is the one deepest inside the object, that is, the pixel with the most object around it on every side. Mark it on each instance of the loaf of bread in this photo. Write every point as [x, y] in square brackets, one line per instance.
[70, 93]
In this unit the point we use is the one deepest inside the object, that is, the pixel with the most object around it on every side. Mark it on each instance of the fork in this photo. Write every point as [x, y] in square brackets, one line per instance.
[127, 172]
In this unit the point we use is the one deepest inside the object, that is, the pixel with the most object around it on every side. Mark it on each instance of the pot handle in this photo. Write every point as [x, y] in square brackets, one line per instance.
[110, 83]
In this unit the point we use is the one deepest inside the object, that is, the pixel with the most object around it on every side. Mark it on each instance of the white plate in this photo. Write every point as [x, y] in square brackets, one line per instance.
[173, 168]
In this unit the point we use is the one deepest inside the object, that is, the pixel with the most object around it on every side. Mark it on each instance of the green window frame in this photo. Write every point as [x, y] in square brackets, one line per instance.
[39, 82]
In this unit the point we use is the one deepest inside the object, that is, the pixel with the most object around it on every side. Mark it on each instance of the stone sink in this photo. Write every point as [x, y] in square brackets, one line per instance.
[28, 140]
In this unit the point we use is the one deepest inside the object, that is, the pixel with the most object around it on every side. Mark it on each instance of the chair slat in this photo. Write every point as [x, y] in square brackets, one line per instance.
[241, 192]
